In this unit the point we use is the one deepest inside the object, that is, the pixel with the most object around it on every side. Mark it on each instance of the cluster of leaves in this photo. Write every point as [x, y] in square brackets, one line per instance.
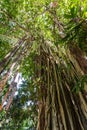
[80, 84]
[37, 18]
[23, 110]
[5, 47]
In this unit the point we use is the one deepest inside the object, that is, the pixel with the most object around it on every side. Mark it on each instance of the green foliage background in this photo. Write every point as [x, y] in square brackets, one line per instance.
[36, 19]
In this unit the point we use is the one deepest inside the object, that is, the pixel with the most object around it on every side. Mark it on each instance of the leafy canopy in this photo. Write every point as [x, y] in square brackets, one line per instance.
[32, 22]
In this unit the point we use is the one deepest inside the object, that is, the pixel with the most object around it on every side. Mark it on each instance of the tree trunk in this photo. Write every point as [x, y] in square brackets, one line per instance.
[60, 108]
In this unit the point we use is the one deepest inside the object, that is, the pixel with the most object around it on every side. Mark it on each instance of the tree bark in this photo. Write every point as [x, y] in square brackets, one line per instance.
[61, 108]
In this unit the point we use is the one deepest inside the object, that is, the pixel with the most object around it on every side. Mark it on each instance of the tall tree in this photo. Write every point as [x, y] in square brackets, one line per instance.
[47, 44]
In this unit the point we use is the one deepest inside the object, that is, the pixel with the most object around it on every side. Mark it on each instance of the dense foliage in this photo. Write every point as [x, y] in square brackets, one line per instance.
[24, 26]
